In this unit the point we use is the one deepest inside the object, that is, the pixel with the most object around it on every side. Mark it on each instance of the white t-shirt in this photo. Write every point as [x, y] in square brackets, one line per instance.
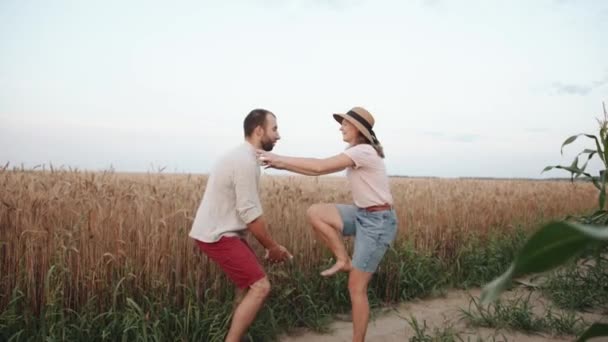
[368, 179]
[231, 198]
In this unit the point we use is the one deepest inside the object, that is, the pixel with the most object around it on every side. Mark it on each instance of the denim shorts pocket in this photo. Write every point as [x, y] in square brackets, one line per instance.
[370, 225]
[381, 226]
[391, 230]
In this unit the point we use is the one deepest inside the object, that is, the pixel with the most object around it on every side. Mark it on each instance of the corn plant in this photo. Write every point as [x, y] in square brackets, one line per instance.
[557, 242]
[551, 246]
[601, 150]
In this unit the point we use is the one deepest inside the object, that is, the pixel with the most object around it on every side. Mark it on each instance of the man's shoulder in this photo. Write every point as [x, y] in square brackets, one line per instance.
[237, 157]
[242, 153]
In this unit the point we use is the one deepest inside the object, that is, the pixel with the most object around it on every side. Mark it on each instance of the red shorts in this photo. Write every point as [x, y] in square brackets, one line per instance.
[236, 258]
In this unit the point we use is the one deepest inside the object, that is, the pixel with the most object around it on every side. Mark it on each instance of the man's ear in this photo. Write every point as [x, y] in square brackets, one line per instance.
[259, 131]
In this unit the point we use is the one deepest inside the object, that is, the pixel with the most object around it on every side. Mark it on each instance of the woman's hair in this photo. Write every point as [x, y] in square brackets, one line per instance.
[361, 139]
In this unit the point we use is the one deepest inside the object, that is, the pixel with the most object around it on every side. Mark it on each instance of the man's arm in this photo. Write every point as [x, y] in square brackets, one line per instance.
[249, 208]
[275, 251]
[257, 227]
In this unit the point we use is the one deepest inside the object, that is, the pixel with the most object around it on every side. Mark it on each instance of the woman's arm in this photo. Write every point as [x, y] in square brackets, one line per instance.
[306, 166]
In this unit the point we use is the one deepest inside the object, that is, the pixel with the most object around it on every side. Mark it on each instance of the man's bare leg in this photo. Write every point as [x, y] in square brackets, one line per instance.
[247, 309]
[327, 224]
[239, 294]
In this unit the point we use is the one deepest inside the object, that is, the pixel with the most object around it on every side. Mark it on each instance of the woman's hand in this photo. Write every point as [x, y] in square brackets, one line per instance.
[269, 160]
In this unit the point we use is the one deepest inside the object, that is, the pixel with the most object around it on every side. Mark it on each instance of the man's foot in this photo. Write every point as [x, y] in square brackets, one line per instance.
[339, 266]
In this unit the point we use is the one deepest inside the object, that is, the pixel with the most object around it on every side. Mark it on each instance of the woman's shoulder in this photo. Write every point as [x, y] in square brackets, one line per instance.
[362, 149]
[364, 155]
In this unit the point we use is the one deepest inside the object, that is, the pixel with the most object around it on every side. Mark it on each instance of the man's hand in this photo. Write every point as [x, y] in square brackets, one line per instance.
[274, 251]
[278, 254]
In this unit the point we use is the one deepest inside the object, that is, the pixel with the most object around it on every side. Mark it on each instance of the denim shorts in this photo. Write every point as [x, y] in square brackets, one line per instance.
[374, 233]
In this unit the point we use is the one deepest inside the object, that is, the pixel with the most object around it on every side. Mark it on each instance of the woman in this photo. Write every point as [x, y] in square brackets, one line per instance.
[371, 219]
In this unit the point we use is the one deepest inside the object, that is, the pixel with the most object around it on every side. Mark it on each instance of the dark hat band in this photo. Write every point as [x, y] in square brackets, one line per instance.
[363, 122]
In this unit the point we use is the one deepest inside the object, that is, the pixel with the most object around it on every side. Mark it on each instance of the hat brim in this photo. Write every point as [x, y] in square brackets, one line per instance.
[340, 117]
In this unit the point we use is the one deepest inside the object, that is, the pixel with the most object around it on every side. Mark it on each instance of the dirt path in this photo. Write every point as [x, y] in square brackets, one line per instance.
[442, 312]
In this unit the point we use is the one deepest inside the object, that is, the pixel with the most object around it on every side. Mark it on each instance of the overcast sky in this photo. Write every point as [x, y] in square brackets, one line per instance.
[458, 88]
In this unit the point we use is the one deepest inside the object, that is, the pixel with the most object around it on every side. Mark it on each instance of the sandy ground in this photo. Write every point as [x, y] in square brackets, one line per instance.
[390, 324]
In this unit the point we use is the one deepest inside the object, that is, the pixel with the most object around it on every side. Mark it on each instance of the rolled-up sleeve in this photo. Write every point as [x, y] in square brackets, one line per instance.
[248, 205]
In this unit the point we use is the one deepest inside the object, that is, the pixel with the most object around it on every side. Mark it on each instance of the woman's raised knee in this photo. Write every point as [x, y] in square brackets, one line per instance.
[313, 212]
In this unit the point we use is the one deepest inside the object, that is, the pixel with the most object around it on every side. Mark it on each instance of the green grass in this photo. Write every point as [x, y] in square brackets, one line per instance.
[447, 333]
[479, 261]
[517, 314]
[422, 334]
[590, 281]
[297, 299]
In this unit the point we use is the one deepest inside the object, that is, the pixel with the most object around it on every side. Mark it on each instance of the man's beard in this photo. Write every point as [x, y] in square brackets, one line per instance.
[267, 145]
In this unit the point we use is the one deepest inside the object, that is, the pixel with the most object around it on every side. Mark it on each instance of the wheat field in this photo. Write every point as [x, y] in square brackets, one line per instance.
[82, 235]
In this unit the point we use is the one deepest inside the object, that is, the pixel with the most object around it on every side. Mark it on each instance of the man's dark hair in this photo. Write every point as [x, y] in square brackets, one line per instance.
[255, 118]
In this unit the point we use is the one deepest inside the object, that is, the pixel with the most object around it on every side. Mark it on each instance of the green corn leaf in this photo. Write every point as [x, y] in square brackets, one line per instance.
[573, 171]
[587, 161]
[569, 141]
[599, 150]
[576, 171]
[590, 153]
[549, 247]
[587, 151]
[602, 197]
[567, 168]
[547, 168]
[600, 153]
[574, 164]
[595, 330]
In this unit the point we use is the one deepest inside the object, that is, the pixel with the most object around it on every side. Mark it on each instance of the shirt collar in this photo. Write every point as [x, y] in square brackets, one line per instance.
[249, 146]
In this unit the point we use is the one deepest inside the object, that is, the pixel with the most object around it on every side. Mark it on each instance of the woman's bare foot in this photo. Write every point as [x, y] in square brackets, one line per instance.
[339, 266]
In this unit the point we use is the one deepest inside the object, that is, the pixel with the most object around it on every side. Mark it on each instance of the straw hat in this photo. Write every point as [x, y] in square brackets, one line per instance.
[363, 120]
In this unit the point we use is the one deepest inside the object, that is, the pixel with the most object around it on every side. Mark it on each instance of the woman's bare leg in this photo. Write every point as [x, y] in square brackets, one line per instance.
[357, 288]
[327, 224]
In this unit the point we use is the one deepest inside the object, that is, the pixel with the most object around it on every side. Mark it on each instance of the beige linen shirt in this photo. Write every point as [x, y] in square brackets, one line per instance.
[231, 199]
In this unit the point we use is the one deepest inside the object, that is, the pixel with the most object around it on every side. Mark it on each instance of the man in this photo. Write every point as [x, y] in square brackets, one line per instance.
[230, 207]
